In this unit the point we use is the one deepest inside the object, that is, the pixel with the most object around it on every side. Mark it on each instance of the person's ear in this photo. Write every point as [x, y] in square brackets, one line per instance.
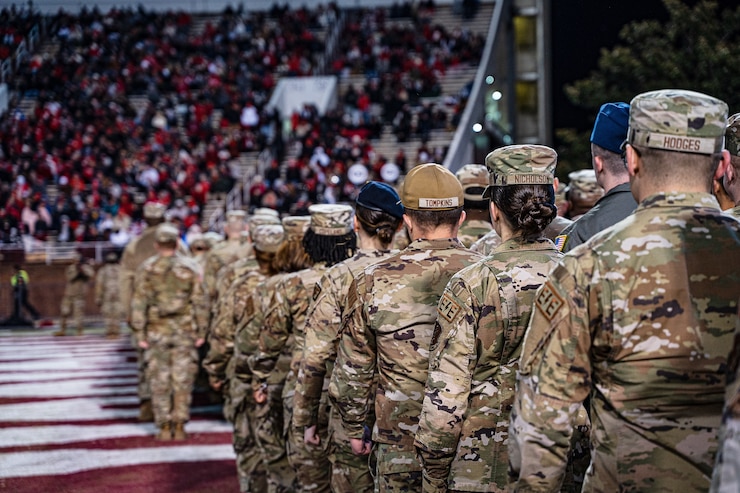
[634, 162]
[724, 165]
[598, 164]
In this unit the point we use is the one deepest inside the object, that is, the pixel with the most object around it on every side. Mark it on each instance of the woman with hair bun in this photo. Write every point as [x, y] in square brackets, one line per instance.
[378, 216]
[481, 320]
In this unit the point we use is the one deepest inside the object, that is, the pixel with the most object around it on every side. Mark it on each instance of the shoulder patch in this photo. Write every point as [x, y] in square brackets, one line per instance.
[249, 307]
[560, 242]
[548, 301]
[448, 308]
[316, 291]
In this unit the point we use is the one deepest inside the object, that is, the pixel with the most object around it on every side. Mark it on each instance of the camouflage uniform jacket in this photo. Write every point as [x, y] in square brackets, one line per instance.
[136, 252]
[323, 325]
[224, 253]
[392, 308]
[472, 230]
[77, 278]
[734, 212]
[481, 321]
[286, 316]
[229, 313]
[486, 244]
[246, 336]
[168, 299]
[640, 317]
[726, 477]
[107, 284]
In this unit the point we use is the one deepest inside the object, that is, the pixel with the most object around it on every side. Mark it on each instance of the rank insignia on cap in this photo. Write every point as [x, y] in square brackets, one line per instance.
[560, 241]
[448, 308]
[548, 301]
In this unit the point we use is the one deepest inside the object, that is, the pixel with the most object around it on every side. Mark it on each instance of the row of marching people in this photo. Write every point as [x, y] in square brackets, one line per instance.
[349, 366]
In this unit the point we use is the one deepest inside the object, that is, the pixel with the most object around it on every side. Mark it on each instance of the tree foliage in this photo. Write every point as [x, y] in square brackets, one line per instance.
[698, 48]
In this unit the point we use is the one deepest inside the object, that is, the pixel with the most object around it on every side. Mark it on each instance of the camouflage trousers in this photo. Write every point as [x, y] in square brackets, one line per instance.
[171, 367]
[142, 384]
[250, 467]
[397, 468]
[267, 422]
[74, 306]
[579, 456]
[111, 311]
[350, 473]
[310, 462]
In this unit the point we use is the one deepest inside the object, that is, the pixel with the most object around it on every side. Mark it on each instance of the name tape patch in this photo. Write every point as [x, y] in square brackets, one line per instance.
[549, 301]
[699, 145]
[448, 308]
[445, 203]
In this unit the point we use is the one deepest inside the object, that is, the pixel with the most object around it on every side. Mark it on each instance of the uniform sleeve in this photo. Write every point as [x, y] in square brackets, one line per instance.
[100, 280]
[451, 365]
[139, 305]
[322, 332]
[221, 336]
[554, 380]
[273, 334]
[199, 304]
[354, 370]
[245, 337]
[126, 281]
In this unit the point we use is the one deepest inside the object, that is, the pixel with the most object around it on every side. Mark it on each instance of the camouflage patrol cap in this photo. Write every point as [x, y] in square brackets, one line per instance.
[526, 164]
[199, 240]
[474, 180]
[732, 135]
[154, 210]
[582, 188]
[265, 211]
[268, 237]
[431, 187]
[235, 216]
[166, 233]
[678, 120]
[259, 220]
[331, 219]
[212, 238]
[295, 226]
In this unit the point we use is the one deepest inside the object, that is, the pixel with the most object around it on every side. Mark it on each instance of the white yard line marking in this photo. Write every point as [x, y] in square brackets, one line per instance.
[25, 464]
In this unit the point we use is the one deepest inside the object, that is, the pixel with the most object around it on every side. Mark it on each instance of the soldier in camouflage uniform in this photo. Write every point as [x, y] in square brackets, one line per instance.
[474, 179]
[491, 240]
[107, 295]
[234, 247]
[726, 476]
[731, 178]
[639, 318]
[73, 302]
[391, 310]
[329, 240]
[266, 418]
[378, 215]
[136, 252]
[583, 192]
[481, 320]
[219, 363]
[168, 317]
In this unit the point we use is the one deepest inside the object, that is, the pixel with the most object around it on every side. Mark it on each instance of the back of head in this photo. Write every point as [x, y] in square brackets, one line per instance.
[679, 135]
[154, 213]
[379, 211]
[167, 235]
[521, 186]
[330, 237]
[432, 197]
[474, 180]
[583, 191]
[731, 179]
[608, 136]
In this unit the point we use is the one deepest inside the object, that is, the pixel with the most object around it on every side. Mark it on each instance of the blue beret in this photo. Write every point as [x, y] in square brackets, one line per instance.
[610, 127]
[378, 196]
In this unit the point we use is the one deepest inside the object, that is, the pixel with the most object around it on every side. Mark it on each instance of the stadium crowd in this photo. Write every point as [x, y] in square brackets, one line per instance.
[135, 106]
